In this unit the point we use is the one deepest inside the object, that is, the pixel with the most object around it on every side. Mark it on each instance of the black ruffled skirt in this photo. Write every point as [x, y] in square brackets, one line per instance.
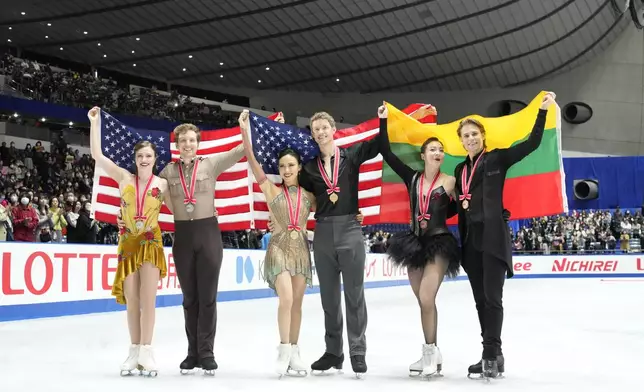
[407, 250]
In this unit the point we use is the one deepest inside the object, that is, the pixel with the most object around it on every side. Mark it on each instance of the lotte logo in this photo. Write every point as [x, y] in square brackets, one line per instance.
[245, 268]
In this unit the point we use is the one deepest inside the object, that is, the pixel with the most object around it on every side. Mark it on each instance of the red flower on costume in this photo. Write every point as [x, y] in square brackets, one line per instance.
[155, 192]
[149, 235]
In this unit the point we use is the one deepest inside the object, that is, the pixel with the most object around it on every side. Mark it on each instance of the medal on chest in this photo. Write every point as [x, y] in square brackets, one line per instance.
[423, 203]
[189, 200]
[293, 214]
[139, 218]
[332, 185]
[466, 183]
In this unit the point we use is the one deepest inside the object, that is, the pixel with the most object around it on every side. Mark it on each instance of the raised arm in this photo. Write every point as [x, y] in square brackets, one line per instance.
[403, 171]
[514, 154]
[113, 170]
[269, 189]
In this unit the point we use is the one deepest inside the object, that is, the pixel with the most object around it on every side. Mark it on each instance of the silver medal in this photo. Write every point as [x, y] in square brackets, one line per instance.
[190, 208]
[139, 225]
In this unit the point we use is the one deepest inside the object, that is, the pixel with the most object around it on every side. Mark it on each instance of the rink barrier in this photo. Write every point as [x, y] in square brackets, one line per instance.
[52, 280]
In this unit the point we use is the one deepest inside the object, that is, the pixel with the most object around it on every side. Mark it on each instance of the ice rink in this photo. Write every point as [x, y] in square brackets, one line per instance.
[558, 334]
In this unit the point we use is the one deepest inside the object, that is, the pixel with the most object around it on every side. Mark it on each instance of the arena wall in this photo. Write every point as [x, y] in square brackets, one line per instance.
[52, 280]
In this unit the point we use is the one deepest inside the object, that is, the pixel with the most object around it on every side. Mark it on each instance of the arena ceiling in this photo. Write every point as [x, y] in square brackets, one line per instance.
[321, 45]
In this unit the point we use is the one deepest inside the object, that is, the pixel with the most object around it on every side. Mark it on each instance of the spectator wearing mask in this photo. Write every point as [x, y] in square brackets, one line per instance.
[86, 227]
[25, 220]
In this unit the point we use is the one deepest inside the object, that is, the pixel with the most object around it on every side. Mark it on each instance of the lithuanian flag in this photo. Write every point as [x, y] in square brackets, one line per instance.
[534, 186]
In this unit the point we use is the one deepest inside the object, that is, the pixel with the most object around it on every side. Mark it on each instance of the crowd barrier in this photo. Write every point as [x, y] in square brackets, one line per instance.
[51, 280]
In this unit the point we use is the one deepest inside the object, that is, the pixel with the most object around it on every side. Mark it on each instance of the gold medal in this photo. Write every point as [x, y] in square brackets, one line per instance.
[333, 197]
[465, 204]
[293, 234]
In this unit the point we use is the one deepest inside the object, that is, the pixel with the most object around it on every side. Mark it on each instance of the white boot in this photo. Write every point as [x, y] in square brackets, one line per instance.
[439, 362]
[132, 360]
[146, 361]
[430, 359]
[296, 364]
[283, 358]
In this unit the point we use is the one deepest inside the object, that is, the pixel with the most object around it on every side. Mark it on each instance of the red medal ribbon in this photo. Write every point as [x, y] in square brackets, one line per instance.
[293, 215]
[331, 187]
[466, 185]
[190, 196]
[140, 199]
[423, 205]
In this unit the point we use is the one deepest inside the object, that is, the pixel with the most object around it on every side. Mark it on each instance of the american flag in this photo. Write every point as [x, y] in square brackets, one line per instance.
[234, 185]
[370, 178]
[117, 144]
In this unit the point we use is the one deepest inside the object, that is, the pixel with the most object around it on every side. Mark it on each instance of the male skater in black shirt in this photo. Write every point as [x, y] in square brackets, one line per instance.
[338, 244]
[485, 237]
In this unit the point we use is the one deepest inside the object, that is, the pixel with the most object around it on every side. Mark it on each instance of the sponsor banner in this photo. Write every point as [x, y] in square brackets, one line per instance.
[60, 273]
[46, 280]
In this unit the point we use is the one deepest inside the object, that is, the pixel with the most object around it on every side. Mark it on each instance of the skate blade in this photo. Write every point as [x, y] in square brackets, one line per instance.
[482, 377]
[420, 375]
[127, 373]
[360, 376]
[296, 373]
[327, 372]
[148, 373]
[209, 373]
[185, 372]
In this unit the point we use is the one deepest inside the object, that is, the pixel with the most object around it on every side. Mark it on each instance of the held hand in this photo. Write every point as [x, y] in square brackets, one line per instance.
[216, 214]
[360, 217]
[243, 119]
[120, 223]
[383, 112]
[548, 100]
[280, 117]
[93, 114]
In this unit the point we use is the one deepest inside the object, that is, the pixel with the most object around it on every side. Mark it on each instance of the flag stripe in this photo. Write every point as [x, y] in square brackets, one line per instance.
[237, 187]
[543, 160]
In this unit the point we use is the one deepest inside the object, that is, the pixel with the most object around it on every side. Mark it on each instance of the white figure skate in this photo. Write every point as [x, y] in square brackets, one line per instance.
[132, 361]
[147, 364]
[429, 365]
[297, 367]
[283, 359]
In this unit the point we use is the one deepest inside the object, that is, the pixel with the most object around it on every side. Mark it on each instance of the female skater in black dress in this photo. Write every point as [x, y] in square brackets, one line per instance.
[428, 250]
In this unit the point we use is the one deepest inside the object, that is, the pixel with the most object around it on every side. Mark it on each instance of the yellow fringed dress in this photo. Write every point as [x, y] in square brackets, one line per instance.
[138, 246]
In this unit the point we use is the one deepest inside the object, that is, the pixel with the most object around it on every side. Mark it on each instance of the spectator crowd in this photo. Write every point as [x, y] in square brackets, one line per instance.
[45, 196]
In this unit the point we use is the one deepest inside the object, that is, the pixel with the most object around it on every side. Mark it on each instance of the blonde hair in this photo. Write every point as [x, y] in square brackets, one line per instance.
[322, 116]
[185, 128]
[474, 122]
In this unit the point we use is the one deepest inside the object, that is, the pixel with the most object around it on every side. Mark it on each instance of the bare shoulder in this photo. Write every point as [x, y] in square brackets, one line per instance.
[127, 179]
[449, 182]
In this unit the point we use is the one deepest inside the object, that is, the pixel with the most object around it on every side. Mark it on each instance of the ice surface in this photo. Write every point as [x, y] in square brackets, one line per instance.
[558, 334]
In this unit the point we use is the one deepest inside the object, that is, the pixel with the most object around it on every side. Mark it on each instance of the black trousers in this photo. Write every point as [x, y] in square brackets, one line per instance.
[486, 274]
[198, 253]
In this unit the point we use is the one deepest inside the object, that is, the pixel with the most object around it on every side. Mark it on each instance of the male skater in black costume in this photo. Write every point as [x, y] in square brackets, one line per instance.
[485, 237]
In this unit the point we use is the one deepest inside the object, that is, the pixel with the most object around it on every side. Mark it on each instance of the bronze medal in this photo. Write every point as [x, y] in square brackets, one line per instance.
[423, 224]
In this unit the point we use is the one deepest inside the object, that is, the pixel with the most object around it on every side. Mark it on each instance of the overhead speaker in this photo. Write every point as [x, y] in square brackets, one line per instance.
[585, 189]
[506, 107]
[577, 112]
[620, 6]
[637, 13]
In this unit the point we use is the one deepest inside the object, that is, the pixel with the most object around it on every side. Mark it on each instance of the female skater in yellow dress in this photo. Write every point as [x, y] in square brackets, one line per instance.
[287, 264]
[141, 261]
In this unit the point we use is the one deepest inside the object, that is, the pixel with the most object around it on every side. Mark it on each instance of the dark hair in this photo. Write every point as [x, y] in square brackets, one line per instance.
[430, 140]
[140, 145]
[291, 152]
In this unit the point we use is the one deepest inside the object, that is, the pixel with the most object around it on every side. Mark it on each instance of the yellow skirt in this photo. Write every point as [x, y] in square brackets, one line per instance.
[133, 251]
